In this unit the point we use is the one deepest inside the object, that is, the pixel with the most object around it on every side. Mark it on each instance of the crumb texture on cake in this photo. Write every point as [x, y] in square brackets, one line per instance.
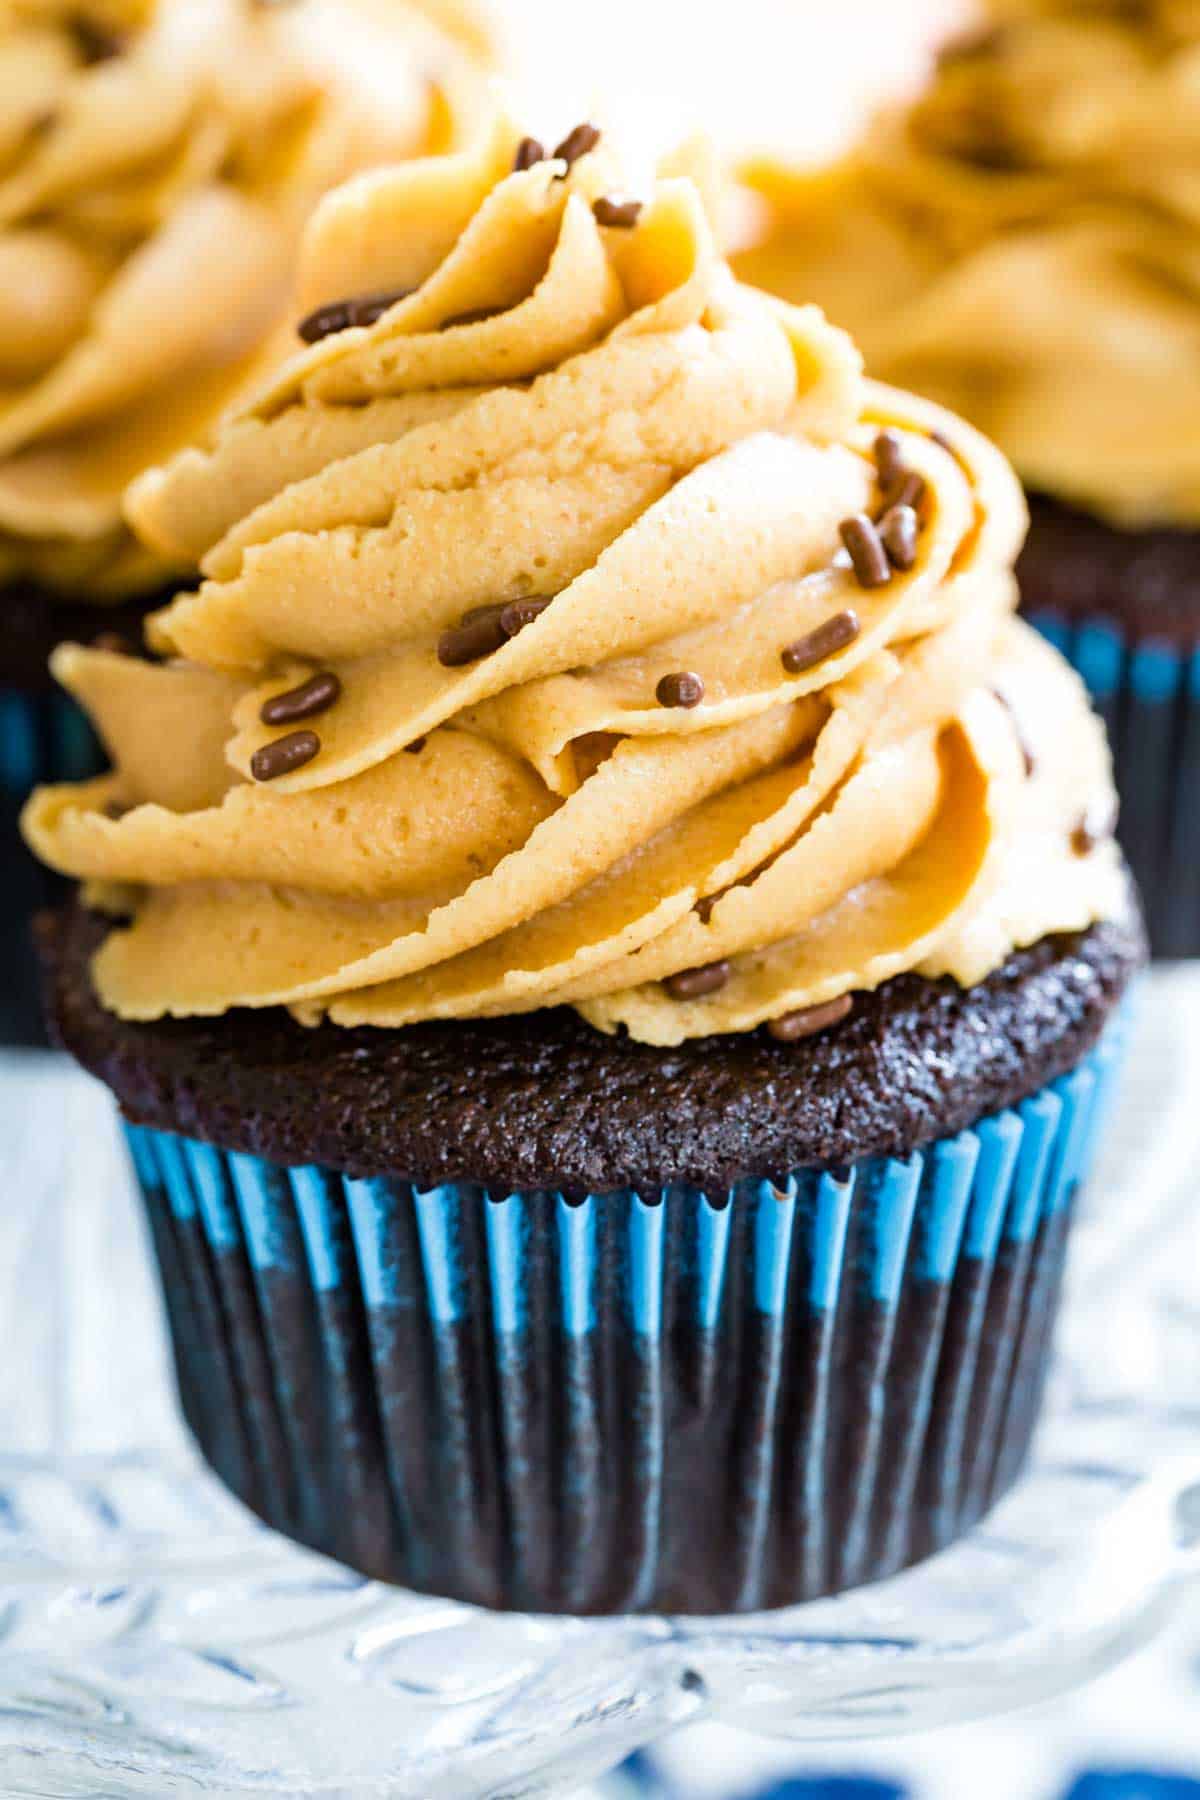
[543, 1099]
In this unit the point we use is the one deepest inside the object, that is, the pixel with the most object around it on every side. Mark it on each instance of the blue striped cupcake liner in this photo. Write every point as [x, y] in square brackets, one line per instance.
[43, 737]
[1147, 691]
[664, 1401]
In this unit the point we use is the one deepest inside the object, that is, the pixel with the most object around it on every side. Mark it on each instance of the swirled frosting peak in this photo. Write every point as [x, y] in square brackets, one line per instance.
[1023, 243]
[158, 159]
[577, 626]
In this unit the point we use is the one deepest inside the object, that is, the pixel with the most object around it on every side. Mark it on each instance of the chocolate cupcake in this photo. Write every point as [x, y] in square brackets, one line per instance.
[614, 980]
[158, 159]
[1029, 220]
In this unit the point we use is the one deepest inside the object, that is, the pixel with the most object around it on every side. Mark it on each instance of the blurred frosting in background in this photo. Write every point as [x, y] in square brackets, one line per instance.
[1022, 243]
[158, 160]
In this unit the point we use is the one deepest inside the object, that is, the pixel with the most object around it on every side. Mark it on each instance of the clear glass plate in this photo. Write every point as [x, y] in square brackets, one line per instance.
[154, 1639]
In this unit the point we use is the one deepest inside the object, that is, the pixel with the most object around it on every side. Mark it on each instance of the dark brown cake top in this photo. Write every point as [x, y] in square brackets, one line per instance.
[1147, 582]
[545, 1100]
[33, 623]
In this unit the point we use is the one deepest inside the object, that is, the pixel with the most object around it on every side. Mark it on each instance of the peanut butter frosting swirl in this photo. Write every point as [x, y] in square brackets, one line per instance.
[1023, 244]
[158, 160]
[581, 630]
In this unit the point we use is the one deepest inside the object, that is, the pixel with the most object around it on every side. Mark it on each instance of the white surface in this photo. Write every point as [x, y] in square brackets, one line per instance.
[789, 75]
[155, 1640]
[1143, 1715]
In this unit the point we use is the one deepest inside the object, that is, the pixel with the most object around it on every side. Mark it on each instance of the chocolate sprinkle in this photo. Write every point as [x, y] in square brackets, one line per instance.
[693, 984]
[809, 1020]
[619, 215]
[834, 634]
[314, 696]
[1094, 828]
[485, 629]
[909, 491]
[284, 755]
[577, 143]
[477, 634]
[530, 152]
[520, 613]
[340, 315]
[96, 43]
[682, 689]
[1027, 755]
[871, 566]
[416, 747]
[898, 530]
[889, 458]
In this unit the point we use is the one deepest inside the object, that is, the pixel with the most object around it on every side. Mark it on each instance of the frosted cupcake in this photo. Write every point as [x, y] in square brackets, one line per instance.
[612, 983]
[1023, 243]
[157, 164]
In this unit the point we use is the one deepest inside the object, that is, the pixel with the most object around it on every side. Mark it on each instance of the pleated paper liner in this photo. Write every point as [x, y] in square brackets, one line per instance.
[1148, 693]
[669, 1402]
[43, 737]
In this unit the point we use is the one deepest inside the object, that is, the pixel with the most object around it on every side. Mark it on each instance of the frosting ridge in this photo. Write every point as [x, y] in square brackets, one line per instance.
[582, 629]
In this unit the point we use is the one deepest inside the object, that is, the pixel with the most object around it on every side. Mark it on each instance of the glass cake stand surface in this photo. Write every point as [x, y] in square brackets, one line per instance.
[154, 1639]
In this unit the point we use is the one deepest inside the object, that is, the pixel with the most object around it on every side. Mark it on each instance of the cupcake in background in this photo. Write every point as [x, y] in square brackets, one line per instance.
[1023, 244]
[158, 160]
[605, 931]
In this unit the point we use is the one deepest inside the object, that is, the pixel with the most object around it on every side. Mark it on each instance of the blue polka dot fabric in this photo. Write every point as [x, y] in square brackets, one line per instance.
[646, 1782]
[1133, 1784]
